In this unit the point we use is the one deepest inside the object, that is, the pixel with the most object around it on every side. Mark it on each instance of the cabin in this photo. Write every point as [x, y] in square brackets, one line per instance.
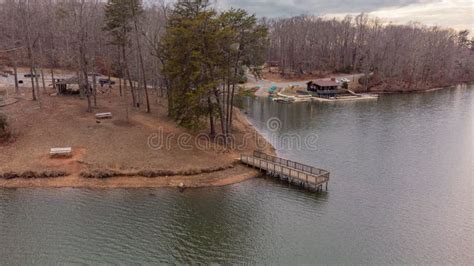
[323, 88]
[67, 86]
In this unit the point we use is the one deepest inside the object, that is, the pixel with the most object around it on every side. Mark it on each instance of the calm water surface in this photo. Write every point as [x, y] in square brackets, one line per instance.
[401, 191]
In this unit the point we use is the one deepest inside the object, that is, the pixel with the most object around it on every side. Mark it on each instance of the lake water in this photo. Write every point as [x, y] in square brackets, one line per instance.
[401, 191]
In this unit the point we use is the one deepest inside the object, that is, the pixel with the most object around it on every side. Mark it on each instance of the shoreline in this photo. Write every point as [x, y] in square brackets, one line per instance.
[223, 176]
[238, 174]
[234, 175]
[263, 91]
[423, 90]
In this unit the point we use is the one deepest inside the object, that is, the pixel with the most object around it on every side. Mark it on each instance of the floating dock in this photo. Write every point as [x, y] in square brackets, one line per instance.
[346, 98]
[306, 176]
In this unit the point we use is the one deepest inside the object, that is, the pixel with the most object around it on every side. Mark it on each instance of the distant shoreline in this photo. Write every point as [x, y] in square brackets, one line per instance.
[268, 80]
[423, 90]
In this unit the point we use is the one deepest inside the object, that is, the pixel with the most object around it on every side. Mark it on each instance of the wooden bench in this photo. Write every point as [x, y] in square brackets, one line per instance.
[61, 152]
[103, 115]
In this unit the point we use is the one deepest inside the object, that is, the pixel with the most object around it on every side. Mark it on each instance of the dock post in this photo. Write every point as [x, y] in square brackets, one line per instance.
[327, 186]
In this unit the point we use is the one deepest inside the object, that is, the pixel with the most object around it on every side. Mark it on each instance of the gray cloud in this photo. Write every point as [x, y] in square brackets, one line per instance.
[457, 14]
[285, 8]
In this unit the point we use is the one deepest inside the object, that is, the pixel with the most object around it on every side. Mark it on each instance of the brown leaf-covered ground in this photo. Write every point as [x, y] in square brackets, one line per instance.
[114, 144]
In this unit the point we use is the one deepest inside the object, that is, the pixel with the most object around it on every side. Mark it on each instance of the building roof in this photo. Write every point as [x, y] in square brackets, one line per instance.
[326, 83]
[73, 80]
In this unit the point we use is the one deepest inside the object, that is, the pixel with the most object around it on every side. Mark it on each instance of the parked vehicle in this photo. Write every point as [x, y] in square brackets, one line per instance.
[29, 75]
[103, 81]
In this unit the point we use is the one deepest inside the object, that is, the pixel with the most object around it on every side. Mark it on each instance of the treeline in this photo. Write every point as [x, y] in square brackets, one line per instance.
[188, 53]
[117, 38]
[396, 57]
[193, 56]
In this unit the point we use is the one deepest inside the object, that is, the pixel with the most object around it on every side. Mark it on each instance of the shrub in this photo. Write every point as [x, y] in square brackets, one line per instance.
[32, 174]
[52, 173]
[100, 174]
[28, 174]
[10, 175]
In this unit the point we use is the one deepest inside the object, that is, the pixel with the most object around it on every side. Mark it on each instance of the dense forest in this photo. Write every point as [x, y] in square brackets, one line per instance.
[189, 50]
[77, 35]
[395, 57]
[188, 53]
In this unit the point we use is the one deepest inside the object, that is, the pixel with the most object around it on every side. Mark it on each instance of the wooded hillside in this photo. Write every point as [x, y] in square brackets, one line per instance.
[80, 36]
[410, 56]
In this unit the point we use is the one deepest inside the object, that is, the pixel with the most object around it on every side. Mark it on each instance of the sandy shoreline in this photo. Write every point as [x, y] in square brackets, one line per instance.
[222, 178]
[236, 174]
[114, 145]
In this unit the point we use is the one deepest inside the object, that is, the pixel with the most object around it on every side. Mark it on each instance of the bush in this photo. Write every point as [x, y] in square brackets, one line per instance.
[32, 174]
[100, 174]
[9, 175]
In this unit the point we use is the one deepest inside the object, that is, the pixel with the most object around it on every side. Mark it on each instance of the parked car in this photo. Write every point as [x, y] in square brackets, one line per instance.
[29, 75]
[104, 81]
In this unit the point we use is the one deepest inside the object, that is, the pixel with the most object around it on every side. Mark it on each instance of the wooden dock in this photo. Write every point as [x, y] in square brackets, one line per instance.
[299, 174]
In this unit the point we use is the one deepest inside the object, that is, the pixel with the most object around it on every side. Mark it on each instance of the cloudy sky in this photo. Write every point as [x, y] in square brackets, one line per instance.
[458, 14]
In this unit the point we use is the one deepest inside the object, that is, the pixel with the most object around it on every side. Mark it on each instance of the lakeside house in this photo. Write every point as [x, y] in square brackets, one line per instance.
[323, 88]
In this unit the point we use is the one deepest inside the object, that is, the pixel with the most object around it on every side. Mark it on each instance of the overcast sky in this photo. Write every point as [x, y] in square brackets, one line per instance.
[458, 14]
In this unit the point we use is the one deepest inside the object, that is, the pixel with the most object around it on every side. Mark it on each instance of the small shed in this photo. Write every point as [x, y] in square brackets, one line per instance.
[68, 86]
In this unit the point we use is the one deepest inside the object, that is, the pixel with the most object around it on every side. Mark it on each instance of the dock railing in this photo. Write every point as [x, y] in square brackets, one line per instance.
[291, 171]
[291, 164]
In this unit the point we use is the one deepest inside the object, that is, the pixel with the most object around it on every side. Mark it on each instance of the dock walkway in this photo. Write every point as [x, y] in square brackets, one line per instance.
[293, 172]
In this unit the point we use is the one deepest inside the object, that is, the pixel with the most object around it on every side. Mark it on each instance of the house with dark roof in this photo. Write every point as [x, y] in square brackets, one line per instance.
[323, 88]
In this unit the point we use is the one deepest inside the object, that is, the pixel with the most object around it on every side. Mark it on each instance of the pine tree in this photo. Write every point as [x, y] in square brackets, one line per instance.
[186, 61]
[120, 15]
[205, 55]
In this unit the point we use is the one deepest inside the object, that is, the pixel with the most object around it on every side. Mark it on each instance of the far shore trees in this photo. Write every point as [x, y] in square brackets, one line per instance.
[408, 56]
[193, 57]
[205, 55]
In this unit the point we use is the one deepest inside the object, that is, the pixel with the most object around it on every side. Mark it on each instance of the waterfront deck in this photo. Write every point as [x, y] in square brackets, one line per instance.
[299, 174]
[346, 98]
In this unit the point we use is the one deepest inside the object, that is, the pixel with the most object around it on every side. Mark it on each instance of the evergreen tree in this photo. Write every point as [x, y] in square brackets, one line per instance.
[119, 16]
[205, 55]
[187, 52]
